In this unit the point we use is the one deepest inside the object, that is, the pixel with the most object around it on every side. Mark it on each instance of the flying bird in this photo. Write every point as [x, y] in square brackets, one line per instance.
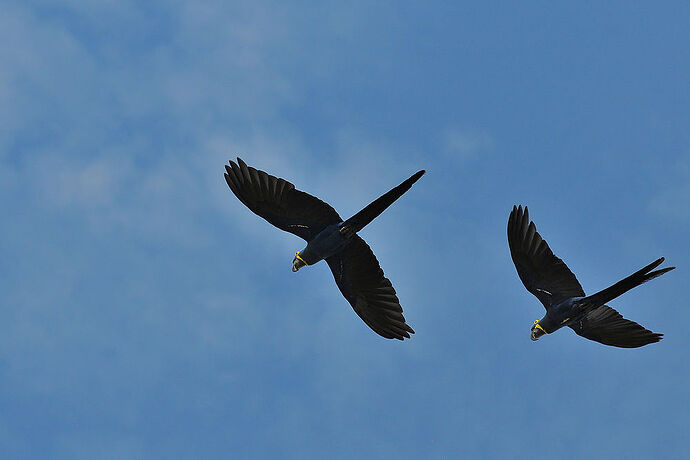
[551, 281]
[353, 264]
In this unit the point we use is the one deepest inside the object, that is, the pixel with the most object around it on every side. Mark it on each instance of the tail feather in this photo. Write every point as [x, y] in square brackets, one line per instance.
[641, 276]
[376, 207]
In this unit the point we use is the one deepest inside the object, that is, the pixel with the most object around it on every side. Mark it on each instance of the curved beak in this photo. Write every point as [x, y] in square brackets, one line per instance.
[297, 264]
[535, 333]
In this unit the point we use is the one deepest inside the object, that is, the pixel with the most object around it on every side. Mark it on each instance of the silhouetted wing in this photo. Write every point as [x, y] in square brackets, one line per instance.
[543, 274]
[605, 325]
[279, 202]
[360, 279]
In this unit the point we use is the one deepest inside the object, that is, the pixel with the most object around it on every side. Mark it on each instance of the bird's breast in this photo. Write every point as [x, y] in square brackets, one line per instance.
[330, 241]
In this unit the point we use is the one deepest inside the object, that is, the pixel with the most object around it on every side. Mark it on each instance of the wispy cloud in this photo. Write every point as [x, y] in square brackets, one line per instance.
[147, 312]
[462, 144]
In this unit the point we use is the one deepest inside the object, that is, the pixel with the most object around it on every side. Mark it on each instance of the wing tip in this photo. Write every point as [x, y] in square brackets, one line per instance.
[235, 162]
[519, 213]
[414, 178]
[400, 335]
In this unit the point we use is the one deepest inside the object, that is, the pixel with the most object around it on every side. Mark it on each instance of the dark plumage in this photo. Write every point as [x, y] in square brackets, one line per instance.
[549, 279]
[355, 268]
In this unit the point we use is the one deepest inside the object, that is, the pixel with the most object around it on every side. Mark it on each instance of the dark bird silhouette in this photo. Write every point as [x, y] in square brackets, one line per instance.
[355, 268]
[551, 281]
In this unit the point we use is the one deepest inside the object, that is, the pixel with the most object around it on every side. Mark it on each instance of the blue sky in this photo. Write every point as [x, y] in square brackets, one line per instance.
[147, 314]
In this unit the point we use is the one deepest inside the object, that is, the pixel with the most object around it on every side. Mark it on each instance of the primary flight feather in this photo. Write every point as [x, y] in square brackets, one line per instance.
[354, 266]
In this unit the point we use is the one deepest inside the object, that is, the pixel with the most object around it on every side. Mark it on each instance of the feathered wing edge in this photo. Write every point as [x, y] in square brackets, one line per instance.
[605, 325]
[278, 201]
[361, 281]
[542, 273]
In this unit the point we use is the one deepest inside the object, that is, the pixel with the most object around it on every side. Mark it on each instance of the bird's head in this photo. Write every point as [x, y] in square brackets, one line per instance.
[298, 262]
[537, 331]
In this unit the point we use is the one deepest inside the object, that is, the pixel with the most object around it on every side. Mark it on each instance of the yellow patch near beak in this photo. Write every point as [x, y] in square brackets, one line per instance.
[297, 255]
[538, 326]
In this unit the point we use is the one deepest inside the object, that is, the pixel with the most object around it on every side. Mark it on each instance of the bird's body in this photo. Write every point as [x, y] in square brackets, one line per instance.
[326, 243]
[551, 281]
[561, 314]
[355, 268]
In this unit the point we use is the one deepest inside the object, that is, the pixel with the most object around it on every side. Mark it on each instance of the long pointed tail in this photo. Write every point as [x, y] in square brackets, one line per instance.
[624, 285]
[376, 207]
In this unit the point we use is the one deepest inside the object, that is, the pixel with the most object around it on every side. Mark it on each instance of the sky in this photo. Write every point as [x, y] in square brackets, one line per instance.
[146, 313]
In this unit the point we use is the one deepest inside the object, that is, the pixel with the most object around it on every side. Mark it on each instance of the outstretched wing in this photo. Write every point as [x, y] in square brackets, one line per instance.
[605, 325]
[543, 274]
[360, 279]
[278, 201]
